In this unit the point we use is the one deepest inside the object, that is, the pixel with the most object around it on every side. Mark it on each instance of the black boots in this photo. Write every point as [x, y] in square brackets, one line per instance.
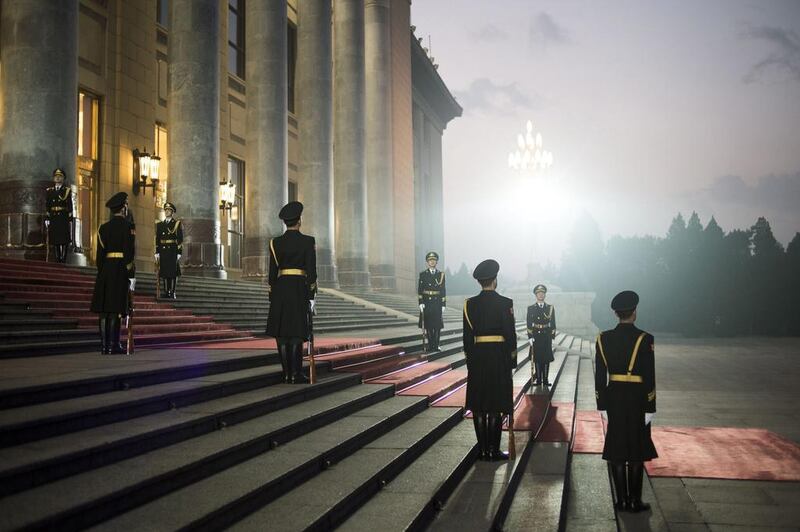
[495, 430]
[635, 481]
[283, 354]
[629, 494]
[168, 292]
[291, 355]
[546, 373]
[105, 344]
[538, 378]
[60, 253]
[479, 419]
[433, 339]
[112, 327]
[620, 486]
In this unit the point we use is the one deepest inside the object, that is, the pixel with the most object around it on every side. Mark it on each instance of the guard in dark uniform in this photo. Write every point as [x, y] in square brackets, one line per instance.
[169, 247]
[115, 274]
[490, 342]
[59, 216]
[293, 287]
[541, 332]
[432, 298]
[625, 387]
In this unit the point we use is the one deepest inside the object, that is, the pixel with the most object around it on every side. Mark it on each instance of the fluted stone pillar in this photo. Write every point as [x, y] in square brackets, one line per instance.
[38, 132]
[193, 141]
[315, 117]
[350, 187]
[267, 135]
[380, 204]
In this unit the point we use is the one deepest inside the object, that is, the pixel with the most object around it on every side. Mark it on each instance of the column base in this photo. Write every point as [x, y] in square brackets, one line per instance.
[353, 272]
[327, 273]
[382, 277]
[202, 252]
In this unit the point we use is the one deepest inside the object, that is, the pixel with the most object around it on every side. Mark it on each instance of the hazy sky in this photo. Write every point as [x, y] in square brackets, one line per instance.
[650, 108]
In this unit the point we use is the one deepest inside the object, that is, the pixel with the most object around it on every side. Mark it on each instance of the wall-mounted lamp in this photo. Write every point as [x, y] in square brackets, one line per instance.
[227, 195]
[145, 166]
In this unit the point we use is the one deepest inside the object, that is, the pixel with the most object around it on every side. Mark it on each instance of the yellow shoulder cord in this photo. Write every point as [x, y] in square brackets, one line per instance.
[635, 352]
[67, 192]
[441, 280]
[602, 353]
[177, 224]
[466, 314]
[272, 249]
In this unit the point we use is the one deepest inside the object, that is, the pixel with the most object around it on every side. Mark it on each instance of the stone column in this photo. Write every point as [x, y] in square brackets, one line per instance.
[380, 205]
[315, 117]
[193, 141]
[350, 188]
[267, 185]
[38, 128]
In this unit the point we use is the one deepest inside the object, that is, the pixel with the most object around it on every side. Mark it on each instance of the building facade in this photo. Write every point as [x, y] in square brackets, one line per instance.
[332, 102]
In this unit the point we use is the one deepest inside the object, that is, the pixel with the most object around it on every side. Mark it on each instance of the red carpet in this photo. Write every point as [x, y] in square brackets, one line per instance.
[323, 345]
[724, 453]
[589, 432]
[529, 412]
[558, 426]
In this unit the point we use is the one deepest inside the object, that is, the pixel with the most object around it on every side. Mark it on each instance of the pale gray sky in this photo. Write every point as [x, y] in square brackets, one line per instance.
[650, 107]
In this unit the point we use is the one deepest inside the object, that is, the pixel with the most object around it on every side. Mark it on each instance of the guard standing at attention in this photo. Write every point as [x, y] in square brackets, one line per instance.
[169, 247]
[432, 297]
[115, 274]
[293, 288]
[59, 215]
[490, 342]
[541, 332]
[625, 388]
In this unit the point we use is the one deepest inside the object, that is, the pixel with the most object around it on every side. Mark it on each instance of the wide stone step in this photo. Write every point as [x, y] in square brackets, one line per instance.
[410, 501]
[37, 324]
[34, 422]
[340, 491]
[224, 433]
[249, 485]
[71, 453]
[145, 369]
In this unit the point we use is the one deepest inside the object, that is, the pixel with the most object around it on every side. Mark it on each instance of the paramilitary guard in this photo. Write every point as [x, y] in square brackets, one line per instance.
[115, 274]
[293, 287]
[490, 341]
[625, 387]
[169, 247]
[541, 332]
[59, 216]
[432, 298]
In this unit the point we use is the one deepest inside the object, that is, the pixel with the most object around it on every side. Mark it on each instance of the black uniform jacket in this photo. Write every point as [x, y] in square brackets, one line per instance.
[541, 324]
[293, 282]
[490, 342]
[625, 386]
[60, 214]
[169, 244]
[432, 292]
[114, 259]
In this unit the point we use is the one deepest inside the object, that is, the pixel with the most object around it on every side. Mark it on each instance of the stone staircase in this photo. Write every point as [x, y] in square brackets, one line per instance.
[44, 309]
[407, 304]
[186, 440]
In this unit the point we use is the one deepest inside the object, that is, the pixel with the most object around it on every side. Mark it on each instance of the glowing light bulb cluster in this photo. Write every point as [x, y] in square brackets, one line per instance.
[530, 154]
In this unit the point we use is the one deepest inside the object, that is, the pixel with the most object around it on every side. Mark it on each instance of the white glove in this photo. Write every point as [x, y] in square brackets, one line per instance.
[530, 341]
[313, 304]
[648, 417]
[604, 414]
[421, 307]
[179, 257]
[156, 256]
[47, 223]
[132, 284]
